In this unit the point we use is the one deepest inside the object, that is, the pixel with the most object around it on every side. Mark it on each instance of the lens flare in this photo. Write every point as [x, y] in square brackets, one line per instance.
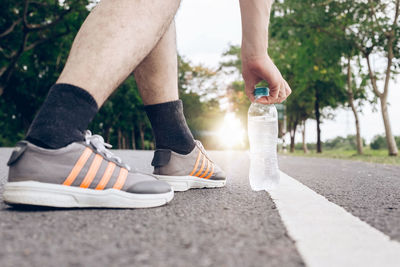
[231, 133]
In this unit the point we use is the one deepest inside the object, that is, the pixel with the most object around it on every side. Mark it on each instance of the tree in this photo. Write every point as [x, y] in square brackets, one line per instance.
[354, 92]
[314, 59]
[35, 37]
[122, 119]
[231, 65]
[379, 142]
[375, 31]
[199, 94]
[369, 28]
[35, 40]
[29, 24]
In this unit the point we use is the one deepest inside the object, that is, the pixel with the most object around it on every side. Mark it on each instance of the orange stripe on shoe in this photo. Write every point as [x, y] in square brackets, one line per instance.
[211, 173]
[106, 176]
[123, 173]
[78, 166]
[202, 167]
[197, 163]
[208, 167]
[94, 167]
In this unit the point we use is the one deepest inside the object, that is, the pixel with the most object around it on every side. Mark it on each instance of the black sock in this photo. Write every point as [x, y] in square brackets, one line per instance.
[63, 117]
[169, 127]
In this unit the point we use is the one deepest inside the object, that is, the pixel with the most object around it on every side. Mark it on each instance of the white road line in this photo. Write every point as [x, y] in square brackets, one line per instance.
[326, 234]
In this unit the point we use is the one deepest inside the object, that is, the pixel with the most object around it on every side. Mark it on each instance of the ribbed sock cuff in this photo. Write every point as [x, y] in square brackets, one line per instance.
[169, 127]
[63, 117]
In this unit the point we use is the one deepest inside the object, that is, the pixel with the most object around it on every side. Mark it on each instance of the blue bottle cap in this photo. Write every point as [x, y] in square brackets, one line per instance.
[261, 91]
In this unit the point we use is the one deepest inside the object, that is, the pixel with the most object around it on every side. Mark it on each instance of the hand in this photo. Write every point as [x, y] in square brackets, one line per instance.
[261, 68]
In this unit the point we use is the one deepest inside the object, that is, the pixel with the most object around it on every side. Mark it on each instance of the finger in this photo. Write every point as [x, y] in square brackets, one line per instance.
[285, 91]
[268, 100]
[282, 94]
[275, 98]
[288, 89]
[249, 90]
[263, 100]
[273, 93]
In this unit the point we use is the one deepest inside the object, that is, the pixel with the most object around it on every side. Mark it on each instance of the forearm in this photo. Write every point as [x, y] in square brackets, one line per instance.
[255, 21]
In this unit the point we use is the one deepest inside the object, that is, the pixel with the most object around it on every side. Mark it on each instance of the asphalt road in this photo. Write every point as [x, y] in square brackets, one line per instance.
[232, 226]
[369, 191]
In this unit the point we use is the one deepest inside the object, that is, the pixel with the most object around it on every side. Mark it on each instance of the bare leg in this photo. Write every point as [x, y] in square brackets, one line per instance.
[157, 74]
[157, 78]
[114, 39]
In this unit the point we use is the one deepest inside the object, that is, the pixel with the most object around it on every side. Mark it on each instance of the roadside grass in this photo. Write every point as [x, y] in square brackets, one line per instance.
[370, 155]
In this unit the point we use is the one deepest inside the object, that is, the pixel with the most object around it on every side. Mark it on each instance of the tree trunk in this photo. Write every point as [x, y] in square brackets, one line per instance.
[123, 142]
[292, 136]
[353, 108]
[318, 119]
[391, 38]
[119, 139]
[141, 136]
[392, 147]
[292, 144]
[107, 134]
[133, 139]
[303, 133]
[128, 143]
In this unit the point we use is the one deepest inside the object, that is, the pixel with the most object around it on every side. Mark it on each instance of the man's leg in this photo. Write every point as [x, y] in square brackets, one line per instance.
[157, 78]
[157, 74]
[179, 160]
[112, 41]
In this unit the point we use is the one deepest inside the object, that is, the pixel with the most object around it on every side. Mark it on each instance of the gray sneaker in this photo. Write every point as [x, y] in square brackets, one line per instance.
[183, 172]
[82, 174]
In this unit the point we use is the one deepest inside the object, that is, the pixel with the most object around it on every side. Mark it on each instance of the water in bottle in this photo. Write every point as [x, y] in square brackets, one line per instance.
[263, 136]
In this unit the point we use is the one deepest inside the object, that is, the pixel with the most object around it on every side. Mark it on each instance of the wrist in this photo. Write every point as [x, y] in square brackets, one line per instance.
[252, 55]
[253, 50]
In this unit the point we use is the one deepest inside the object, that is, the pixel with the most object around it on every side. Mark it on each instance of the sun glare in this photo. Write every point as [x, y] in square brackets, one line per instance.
[231, 133]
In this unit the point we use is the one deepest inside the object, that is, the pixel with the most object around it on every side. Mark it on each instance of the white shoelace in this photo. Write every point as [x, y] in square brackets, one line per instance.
[97, 142]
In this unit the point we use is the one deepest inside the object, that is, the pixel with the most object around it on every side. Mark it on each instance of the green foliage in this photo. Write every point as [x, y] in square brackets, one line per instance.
[232, 62]
[28, 69]
[308, 58]
[379, 142]
[201, 112]
[309, 40]
[32, 53]
[122, 120]
[369, 155]
[310, 146]
[346, 143]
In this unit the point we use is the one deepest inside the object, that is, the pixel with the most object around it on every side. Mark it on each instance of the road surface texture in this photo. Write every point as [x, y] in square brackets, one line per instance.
[232, 226]
[368, 191]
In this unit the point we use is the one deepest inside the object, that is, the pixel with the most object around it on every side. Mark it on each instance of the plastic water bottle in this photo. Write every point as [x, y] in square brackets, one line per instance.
[263, 137]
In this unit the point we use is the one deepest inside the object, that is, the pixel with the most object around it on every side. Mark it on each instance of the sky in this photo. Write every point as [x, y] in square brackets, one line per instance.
[206, 28]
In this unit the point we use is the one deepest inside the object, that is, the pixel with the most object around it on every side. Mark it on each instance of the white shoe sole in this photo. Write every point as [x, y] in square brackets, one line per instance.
[53, 195]
[183, 183]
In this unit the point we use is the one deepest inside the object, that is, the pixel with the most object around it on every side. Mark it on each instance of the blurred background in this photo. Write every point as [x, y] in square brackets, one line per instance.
[340, 57]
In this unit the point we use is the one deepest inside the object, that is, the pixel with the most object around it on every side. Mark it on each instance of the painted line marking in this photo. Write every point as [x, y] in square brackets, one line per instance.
[327, 235]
